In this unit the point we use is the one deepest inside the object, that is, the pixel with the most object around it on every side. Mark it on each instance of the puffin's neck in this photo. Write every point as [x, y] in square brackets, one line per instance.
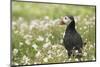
[71, 26]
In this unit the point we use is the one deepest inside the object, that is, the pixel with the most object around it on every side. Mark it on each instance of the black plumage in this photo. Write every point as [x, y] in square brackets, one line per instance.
[72, 39]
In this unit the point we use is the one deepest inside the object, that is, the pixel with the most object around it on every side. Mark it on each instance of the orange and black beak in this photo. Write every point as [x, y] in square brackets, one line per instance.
[62, 22]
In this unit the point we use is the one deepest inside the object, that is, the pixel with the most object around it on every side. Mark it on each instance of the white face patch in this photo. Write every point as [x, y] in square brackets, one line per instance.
[66, 20]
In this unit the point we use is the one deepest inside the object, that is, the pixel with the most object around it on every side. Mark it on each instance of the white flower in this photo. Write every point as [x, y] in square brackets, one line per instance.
[40, 38]
[25, 60]
[60, 54]
[93, 58]
[47, 44]
[46, 18]
[54, 46]
[94, 44]
[16, 31]
[76, 51]
[86, 39]
[50, 52]
[23, 26]
[85, 19]
[27, 42]
[35, 63]
[45, 59]
[33, 24]
[69, 59]
[16, 63]
[84, 54]
[20, 19]
[75, 27]
[52, 36]
[66, 51]
[35, 46]
[47, 39]
[61, 41]
[91, 46]
[15, 51]
[38, 54]
[14, 23]
[46, 25]
[27, 36]
[58, 51]
[49, 56]
[85, 27]
[82, 59]
[76, 60]
[80, 28]
[20, 43]
[49, 34]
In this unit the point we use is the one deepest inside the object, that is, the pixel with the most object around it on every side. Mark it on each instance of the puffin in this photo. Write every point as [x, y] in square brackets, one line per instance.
[72, 40]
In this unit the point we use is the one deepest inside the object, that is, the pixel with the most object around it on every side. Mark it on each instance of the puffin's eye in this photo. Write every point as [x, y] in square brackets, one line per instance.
[65, 17]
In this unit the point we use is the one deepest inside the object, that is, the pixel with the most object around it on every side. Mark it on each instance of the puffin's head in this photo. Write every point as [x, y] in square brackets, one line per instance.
[66, 20]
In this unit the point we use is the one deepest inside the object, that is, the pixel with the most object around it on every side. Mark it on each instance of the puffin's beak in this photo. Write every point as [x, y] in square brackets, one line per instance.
[61, 21]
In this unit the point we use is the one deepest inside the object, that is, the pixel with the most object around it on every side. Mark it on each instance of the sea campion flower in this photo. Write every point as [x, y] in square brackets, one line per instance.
[25, 60]
[15, 51]
[38, 54]
[20, 43]
[35, 46]
[46, 45]
[45, 59]
[76, 59]
[85, 27]
[40, 38]
[84, 54]
[27, 42]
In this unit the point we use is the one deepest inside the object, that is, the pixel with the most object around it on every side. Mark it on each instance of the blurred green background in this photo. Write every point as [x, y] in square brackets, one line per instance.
[37, 39]
[39, 10]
